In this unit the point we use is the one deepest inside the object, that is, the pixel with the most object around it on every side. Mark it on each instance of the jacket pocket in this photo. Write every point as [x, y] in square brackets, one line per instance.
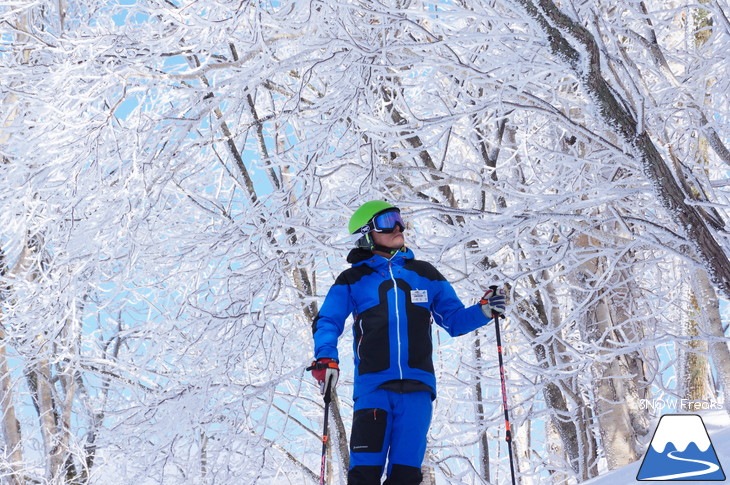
[372, 344]
[420, 345]
[368, 430]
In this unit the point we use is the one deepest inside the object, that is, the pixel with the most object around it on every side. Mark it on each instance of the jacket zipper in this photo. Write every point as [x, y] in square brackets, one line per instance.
[397, 316]
[359, 342]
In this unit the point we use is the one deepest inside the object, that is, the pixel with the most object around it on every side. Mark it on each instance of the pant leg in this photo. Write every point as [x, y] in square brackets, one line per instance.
[404, 475]
[370, 438]
[411, 420]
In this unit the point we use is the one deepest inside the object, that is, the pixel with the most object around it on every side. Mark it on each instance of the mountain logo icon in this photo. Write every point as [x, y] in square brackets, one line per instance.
[681, 450]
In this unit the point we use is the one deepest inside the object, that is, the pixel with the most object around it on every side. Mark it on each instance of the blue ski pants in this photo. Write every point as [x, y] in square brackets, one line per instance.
[390, 427]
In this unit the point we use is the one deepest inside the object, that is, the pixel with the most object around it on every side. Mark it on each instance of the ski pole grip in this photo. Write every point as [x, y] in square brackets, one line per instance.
[328, 391]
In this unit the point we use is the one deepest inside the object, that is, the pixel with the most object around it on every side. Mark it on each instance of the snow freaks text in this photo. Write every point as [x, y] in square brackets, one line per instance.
[681, 404]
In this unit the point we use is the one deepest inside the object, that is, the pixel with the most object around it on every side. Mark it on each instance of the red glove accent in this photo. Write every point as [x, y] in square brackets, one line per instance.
[323, 370]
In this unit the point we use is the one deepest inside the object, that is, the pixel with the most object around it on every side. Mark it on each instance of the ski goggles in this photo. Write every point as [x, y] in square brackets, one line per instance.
[386, 222]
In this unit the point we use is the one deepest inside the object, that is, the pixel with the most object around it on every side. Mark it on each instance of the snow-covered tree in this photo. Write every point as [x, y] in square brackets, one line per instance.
[176, 182]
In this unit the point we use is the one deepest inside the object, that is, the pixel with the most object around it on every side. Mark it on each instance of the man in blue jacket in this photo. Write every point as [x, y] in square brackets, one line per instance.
[393, 299]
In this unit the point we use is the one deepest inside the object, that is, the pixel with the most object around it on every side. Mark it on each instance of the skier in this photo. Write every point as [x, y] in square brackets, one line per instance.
[393, 298]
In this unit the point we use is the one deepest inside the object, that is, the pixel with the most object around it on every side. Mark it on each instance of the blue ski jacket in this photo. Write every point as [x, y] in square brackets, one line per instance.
[393, 302]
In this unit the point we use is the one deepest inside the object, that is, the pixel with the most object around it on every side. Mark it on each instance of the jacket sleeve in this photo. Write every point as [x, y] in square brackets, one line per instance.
[449, 312]
[329, 323]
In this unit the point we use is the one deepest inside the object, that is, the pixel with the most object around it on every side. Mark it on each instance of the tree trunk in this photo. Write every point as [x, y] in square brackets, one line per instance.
[578, 443]
[709, 309]
[705, 318]
[694, 374]
[615, 387]
[429, 476]
[10, 424]
[610, 375]
[49, 419]
[480, 399]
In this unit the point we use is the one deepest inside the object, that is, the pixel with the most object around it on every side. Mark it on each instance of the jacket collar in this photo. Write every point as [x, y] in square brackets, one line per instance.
[360, 256]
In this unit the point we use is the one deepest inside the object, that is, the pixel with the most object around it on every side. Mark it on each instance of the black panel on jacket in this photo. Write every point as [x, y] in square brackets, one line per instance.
[372, 334]
[405, 386]
[353, 275]
[358, 255]
[425, 269]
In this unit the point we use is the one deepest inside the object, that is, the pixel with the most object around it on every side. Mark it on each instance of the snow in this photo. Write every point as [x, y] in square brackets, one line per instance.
[692, 431]
[718, 427]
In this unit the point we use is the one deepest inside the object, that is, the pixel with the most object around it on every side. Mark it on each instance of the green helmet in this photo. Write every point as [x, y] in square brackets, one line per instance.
[366, 212]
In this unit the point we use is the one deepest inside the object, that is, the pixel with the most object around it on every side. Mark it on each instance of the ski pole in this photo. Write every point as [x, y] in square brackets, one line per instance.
[325, 433]
[508, 433]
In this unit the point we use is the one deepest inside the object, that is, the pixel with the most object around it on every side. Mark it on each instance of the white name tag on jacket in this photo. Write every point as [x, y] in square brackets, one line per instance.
[419, 296]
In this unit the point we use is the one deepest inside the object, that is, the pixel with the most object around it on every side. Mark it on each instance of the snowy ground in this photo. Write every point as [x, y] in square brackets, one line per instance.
[718, 426]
